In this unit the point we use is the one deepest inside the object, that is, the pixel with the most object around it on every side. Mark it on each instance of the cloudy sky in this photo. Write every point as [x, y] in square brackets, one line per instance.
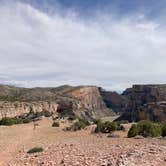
[108, 43]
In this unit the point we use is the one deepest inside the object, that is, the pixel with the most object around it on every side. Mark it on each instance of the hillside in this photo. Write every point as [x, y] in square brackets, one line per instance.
[83, 101]
[137, 103]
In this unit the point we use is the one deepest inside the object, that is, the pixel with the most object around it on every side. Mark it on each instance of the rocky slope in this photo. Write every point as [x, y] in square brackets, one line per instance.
[145, 102]
[85, 101]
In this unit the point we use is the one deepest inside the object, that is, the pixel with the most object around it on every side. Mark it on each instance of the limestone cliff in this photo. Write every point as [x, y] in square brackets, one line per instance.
[13, 109]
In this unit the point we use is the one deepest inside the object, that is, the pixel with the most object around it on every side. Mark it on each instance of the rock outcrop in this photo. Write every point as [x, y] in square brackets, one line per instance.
[13, 109]
[145, 102]
[85, 102]
[91, 100]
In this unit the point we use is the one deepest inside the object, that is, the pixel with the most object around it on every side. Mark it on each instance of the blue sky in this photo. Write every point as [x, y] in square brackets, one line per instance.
[108, 43]
[151, 8]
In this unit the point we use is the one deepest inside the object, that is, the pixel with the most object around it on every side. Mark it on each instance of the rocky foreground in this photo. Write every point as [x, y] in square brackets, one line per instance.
[100, 152]
[83, 148]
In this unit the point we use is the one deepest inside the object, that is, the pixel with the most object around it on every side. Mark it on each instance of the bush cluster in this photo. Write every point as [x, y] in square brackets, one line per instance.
[80, 124]
[27, 118]
[163, 129]
[107, 127]
[10, 121]
[36, 150]
[146, 129]
[72, 117]
[55, 124]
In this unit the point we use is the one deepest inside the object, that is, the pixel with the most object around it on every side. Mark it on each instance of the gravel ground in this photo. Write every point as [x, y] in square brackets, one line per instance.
[80, 148]
[102, 152]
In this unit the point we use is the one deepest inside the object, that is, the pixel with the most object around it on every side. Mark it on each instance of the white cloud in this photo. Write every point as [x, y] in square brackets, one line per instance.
[37, 49]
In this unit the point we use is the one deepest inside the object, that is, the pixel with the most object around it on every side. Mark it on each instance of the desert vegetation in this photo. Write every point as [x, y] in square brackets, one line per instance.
[107, 126]
[147, 129]
[79, 124]
[36, 150]
[26, 118]
[163, 129]
[55, 124]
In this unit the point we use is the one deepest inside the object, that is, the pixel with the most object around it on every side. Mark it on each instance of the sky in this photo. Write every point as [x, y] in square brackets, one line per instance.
[108, 43]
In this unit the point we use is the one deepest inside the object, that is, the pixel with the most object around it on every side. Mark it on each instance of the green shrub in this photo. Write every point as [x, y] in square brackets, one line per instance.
[99, 126]
[84, 121]
[96, 121]
[149, 129]
[36, 150]
[105, 127]
[7, 121]
[37, 114]
[80, 124]
[133, 131]
[11, 121]
[55, 124]
[145, 129]
[164, 130]
[26, 120]
[72, 117]
[17, 120]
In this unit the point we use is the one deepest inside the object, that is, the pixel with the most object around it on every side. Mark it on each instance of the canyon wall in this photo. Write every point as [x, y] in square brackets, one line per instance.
[83, 101]
[145, 102]
[13, 109]
[91, 100]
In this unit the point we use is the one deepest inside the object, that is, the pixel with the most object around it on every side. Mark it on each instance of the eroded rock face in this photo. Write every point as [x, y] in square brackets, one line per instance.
[91, 100]
[85, 102]
[145, 102]
[13, 109]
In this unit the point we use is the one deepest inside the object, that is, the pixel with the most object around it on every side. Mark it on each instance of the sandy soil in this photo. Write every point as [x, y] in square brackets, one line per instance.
[76, 148]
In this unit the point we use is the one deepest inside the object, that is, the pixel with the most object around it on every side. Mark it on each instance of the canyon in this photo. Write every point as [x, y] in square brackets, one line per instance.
[83, 101]
[141, 102]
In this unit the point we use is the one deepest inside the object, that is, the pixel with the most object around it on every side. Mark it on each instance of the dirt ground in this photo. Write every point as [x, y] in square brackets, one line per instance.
[80, 148]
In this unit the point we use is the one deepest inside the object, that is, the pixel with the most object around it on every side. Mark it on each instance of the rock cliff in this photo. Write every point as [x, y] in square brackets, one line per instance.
[145, 102]
[85, 102]
[13, 109]
[137, 103]
[91, 100]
